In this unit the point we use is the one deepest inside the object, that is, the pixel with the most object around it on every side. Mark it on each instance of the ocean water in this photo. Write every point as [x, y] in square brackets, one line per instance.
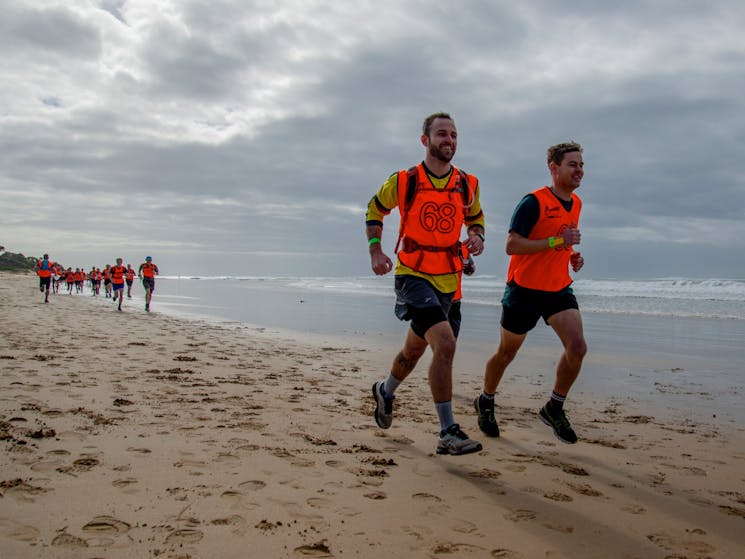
[678, 344]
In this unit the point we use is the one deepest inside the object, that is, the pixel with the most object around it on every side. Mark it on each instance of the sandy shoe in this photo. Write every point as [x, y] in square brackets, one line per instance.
[455, 442]
[383, 406]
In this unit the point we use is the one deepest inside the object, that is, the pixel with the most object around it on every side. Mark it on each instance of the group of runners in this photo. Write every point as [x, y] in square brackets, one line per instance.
[436, 200]
[114, 279]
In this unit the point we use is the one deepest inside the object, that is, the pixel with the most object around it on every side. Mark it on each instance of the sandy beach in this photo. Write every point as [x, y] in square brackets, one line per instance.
[129, 435]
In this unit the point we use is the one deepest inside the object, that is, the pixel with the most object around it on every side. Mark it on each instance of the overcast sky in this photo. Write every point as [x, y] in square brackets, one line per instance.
[246, 137]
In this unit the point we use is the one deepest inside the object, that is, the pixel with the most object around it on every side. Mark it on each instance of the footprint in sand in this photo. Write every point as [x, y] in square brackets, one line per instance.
[85, 464]
[485, 473]
[236, 523]
[319, 549]
[681, 543]
[21, 490]
[64, 539]
[185, 536]
[505, 554]
[463, 526]
[252, 485]
[450, 548]
[318, 503]
[46, 466]
[560, 528]
[108, 525]
[375, 495]
[125, 484]
[139, 450]
[426, 497]
[18, 532]
[584, 489]
[634, 509]
[521, 515]
[557, 496]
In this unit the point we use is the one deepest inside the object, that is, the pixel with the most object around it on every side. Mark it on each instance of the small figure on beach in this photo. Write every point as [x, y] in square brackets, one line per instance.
[56, 277]
[69, 280]
[541, 239]
[118, 272]
[79, 279]
[45, 269]
[435, 200]
[147, 272]
[130, 277]
[107, 280]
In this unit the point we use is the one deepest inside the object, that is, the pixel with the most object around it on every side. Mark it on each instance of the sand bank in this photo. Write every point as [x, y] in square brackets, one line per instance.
[141, 435]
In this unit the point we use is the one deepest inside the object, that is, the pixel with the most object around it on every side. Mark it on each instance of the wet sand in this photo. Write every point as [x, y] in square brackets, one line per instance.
[142, 435]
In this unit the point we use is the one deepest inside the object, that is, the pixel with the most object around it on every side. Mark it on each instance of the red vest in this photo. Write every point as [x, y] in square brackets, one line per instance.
[547, 270]
[117, 274]
[44, 272]
[431, 222]
[148, 270]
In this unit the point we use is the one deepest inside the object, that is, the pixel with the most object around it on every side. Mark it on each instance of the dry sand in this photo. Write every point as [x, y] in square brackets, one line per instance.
[130, 435]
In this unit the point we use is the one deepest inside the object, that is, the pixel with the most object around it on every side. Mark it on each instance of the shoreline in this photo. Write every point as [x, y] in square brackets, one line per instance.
[132, 434]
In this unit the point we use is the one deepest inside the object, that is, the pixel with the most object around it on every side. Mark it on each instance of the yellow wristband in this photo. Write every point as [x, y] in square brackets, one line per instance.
[554, 242]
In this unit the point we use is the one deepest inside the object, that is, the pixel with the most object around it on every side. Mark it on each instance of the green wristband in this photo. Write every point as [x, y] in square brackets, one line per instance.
[372, 241]
[554, 242]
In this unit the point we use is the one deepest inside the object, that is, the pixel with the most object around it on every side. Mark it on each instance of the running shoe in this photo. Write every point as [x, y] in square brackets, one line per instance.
[383, 406]
[455, 442]
[557, 420]
[487, 421]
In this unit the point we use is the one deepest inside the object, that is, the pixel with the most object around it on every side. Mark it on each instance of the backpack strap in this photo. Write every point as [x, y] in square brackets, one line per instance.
[407, 179]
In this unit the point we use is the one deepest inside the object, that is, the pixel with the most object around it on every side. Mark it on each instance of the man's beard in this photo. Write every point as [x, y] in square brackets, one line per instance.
[437, 153]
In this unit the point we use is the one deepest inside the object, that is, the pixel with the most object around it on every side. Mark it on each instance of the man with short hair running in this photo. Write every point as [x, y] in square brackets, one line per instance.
[147, 272]
[130, 277]
[117, 281]
[45, 269]
[540, 242]
[435, 200]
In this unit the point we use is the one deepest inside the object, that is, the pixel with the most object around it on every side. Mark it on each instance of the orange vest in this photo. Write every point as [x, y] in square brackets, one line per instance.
[117, 274]
[148, 270]
[547, 270]
[431, 222]
[44, 272]
[70, 277]
[130, 275]
[79, 276]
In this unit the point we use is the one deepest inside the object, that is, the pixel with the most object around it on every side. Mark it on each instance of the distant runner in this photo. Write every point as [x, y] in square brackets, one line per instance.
[56, 278]
[107, 280]
[130, 277]
[147, 272]
[117, 281]
[79, 279]
[69, 280]
[45, 269]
